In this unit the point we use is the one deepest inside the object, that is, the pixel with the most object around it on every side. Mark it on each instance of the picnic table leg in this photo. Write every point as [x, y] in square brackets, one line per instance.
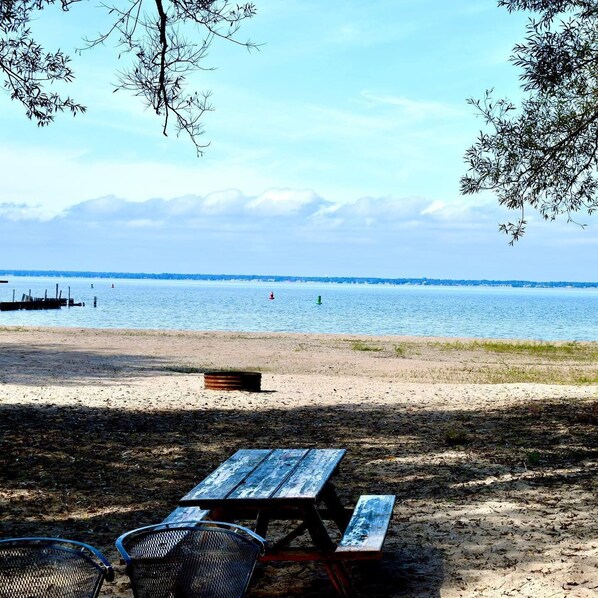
[221, 514]
[339, 578]
[336, 570]
[317, 529]
[339, 514]
[261, 523]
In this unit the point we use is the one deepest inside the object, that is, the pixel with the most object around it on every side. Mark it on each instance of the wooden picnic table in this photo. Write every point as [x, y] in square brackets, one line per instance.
[294, 485]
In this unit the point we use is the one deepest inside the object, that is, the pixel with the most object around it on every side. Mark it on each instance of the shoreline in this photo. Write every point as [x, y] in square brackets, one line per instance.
[324, 335]
[430, 360]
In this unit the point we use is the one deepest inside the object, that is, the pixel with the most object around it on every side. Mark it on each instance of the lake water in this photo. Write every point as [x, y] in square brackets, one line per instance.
[483, 312]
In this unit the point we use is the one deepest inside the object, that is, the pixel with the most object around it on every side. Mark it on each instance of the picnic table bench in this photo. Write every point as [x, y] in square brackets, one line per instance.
[294, 485]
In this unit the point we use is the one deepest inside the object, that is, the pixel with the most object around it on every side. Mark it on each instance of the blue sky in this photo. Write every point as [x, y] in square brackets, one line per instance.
[336, 149]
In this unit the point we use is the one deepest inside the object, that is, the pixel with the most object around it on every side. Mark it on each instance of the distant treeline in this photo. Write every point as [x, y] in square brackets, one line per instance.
[319, 279]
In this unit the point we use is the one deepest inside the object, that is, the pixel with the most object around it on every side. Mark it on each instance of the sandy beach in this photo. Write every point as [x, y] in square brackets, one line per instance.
[491, 451]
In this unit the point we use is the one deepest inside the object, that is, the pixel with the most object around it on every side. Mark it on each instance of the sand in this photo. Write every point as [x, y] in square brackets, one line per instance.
[495, 476]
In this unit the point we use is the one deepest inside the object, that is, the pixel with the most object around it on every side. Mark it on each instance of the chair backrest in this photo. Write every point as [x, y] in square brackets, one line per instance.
[51, 568]
[190, 559]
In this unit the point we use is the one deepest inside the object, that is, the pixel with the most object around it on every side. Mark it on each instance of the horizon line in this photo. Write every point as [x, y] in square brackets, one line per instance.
[423, 280]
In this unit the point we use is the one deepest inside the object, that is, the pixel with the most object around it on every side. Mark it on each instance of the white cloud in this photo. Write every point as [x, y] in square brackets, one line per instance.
[21, 211]
[418, 109]
[285, 202]
[232, 232]
[220, 202]
[58, 179]
[283, 211]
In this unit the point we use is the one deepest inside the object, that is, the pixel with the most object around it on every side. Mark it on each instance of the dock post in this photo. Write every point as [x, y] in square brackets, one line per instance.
[95, 301]
[56, 290]
[68, 303]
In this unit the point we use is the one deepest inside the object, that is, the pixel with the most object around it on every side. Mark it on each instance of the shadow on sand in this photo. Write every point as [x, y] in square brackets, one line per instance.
[92, 473]
[53, 363]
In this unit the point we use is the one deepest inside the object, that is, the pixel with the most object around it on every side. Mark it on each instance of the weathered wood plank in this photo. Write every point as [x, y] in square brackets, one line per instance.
[311, 474]
[186, 514]
[265, 480]
[221, 482]
[368, 526]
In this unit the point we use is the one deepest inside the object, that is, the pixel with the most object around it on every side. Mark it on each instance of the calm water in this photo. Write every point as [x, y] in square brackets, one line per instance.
[543, 314]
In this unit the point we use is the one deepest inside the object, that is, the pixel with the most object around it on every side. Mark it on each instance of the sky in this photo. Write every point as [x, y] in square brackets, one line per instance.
[336, 149]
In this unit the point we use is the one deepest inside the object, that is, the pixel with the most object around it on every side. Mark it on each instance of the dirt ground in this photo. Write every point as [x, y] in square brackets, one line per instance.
[496, 482]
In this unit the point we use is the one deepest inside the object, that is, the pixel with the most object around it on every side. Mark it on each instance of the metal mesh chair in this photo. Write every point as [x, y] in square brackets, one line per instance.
[206, 559]
[51, 568]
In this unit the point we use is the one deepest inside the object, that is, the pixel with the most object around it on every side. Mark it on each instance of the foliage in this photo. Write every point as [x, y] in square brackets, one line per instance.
[580, 352]
[457, 437]
[399, 350]
[533, 458]
[545, 155]
[359, 345]
[159, 39]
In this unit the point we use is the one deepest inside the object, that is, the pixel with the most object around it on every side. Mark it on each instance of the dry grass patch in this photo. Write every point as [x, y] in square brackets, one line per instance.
[570, 351]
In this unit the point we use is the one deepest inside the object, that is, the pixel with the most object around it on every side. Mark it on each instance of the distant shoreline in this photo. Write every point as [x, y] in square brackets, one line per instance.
[317, 279]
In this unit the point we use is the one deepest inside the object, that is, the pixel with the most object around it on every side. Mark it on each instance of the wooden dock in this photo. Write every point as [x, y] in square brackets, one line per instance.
[31, 303]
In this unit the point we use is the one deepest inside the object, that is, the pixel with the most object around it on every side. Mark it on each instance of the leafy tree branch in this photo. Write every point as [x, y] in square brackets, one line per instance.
[544, 155]
[164, 41]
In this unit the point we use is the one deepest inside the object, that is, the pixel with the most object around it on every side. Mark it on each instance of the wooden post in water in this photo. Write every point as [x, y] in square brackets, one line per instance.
[13, 295]
[56, 290]
[95, 301]
[68, 301]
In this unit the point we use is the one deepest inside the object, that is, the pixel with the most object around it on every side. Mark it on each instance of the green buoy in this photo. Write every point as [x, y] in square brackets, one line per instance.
[319, 301]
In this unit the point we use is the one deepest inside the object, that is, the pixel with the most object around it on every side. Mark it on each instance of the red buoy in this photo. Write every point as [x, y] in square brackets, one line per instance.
[271, 296]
